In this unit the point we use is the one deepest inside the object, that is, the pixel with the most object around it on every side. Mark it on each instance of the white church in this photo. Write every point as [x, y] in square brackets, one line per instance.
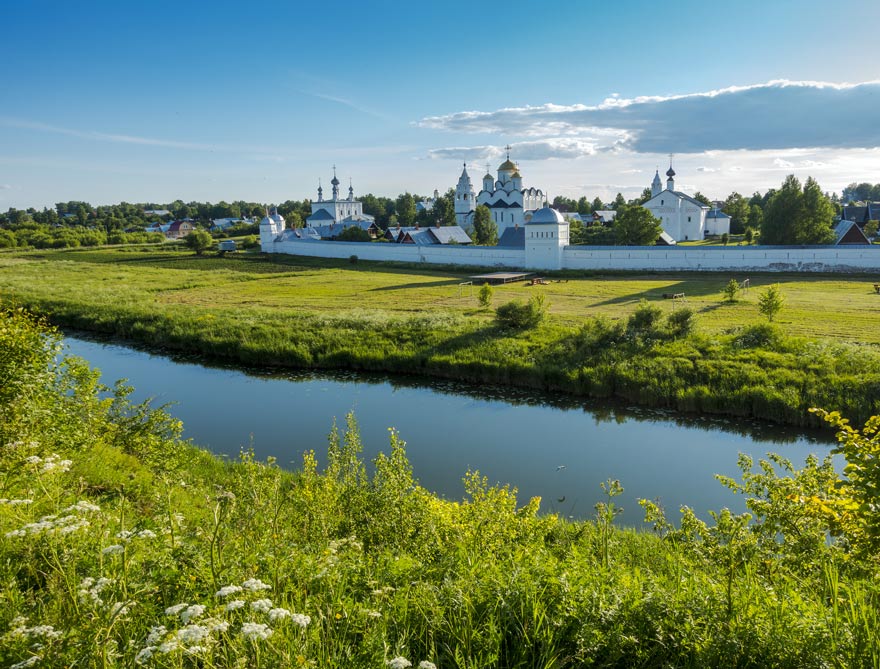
[509, 203]
[683, 218]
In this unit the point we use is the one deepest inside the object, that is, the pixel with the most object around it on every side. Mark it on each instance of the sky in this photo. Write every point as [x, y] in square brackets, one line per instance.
[208, 101]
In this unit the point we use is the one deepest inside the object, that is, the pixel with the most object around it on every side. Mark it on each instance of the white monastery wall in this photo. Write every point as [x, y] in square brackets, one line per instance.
[647, 258]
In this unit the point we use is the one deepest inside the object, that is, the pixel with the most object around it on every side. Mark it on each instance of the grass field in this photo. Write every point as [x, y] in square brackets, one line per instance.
[841, 307]
[310, 313]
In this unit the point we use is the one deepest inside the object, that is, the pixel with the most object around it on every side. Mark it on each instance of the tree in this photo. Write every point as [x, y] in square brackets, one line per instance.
[870, 229]
[485, 229]
[199, 241]
[798, 216]
[353, 233]
[749, 235]
[406, 209]
[294, 220]
[699, 197]
[731, 290]
[644, 197]
[443, 211]
[725, 238]
[597, 205]
[583, 205]
[770, 302]
[737, 207]
[636, 226]
[619, 202]
[756, 216]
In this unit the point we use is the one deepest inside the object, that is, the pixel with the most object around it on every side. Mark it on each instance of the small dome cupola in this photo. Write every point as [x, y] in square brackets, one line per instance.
[670, 172]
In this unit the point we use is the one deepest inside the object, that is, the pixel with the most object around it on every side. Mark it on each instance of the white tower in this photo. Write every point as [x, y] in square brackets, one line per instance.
[465, 198]
[656, 185]
[546, 237]
[670, 178]
[270, 227]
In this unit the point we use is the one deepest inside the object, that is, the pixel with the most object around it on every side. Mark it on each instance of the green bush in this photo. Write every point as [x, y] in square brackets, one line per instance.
[644, 319]
[681, 322]
[518, 314]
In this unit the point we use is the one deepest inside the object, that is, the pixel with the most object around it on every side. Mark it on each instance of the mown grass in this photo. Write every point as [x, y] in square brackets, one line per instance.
[291, 311]
[123, 546]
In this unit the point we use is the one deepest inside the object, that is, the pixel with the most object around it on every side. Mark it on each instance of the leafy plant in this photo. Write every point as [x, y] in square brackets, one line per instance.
[518, 314]
[731, 290]
[486, 294]
[770, 302]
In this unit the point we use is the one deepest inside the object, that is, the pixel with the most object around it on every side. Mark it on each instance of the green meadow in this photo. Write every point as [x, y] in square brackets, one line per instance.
[822, 349]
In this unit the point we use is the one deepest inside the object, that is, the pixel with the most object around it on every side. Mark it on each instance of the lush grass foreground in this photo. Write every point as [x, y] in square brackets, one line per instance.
[288, 311]
[123, 546]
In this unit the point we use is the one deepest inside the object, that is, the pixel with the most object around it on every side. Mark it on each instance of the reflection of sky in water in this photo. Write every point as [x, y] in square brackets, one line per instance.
[448, 432]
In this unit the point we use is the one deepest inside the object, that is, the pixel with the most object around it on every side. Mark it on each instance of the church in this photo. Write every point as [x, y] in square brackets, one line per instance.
[337, 211]
[510, 205]
[683, 218]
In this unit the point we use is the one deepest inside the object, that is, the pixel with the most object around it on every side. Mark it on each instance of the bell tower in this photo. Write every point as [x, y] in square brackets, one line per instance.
[465, 198]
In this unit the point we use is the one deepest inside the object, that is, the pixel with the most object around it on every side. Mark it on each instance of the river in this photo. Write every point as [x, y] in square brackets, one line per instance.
[552, 446]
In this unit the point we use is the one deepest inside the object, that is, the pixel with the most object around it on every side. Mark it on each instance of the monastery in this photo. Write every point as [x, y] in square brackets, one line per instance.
[683, 218]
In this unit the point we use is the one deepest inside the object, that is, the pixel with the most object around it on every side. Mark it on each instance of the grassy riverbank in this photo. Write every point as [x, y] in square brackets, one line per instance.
[124, 546]
[288, 311]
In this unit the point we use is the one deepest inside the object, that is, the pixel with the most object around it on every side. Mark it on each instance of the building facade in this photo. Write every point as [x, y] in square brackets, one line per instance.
[683, 218]
[336, 210]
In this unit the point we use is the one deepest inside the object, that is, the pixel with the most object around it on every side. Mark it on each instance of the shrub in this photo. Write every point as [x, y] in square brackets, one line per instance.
[353, 259]
[199, 241]
[681, 322]
[644, 319]
[518, 314]
[762, 335]
[486, 294]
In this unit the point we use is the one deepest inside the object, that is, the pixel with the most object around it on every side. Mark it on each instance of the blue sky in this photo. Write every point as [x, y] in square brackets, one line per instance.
[207, 101]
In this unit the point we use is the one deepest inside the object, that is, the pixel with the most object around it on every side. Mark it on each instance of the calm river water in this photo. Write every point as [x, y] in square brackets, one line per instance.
[555, 447]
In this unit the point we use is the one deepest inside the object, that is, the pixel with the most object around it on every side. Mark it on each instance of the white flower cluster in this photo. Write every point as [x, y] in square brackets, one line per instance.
[15, 502]
[51, 463]
[19, 629]
[399, 663]
[262, 605]
[128, 535]
[227, 590]
[235, 604]
[90, 589]
[83, 506]
[31, 661]
[51, 525]
[191, 639]
[255, 584]
[255, 631]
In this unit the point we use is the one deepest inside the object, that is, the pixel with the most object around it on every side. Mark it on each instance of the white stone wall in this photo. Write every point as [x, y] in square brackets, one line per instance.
[716, 258]
[637, 258]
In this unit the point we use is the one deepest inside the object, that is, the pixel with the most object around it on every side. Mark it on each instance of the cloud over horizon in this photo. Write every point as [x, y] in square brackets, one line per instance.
[779, 114]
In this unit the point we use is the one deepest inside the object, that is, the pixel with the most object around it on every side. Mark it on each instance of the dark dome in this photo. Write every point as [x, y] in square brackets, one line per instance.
[670, 172]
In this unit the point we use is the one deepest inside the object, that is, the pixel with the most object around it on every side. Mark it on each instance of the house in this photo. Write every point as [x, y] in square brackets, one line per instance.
[861, 214]
[157, 227]
[848, 233]
[333, 230]
[604, 217]
[447, 234]
[157, 212]
[180, 229]
[220, 224]
[717, 222]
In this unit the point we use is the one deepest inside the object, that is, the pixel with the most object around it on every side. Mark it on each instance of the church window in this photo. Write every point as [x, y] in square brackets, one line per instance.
[689, 219]
[661, 202]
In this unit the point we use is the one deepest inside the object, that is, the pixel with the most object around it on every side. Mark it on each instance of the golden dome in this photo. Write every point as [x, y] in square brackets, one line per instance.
[507, 165]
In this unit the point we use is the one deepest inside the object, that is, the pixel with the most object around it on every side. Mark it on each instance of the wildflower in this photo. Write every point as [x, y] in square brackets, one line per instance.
[31, 661]
[120, 609]
[176, 609]
[255, 584]
[168, 647]
[262, 605]
[256, 631]
[278, 614]
[373, 614]
[195, 650]
[90, 589]
[16, 502]
[194, 611]
[82, 505]
[33, 459]
[146, 534]
[144, 654]
[113, 550]
[192, 634]
[299, 619]
[227, 590]
[399, 663]
[424, 664]
[217, 625]
[125, 535]
[235, 604]
[156, 634]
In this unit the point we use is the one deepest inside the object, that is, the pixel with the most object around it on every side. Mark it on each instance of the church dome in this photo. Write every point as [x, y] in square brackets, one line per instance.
[670, 172]
[334, 181]
[507, 165]
[516, 175]
[546, 215]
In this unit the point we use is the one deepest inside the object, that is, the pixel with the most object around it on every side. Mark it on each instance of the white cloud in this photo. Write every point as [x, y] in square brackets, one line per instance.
[706, 169]
[545, 149]
[784, 164]
[777, 115]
